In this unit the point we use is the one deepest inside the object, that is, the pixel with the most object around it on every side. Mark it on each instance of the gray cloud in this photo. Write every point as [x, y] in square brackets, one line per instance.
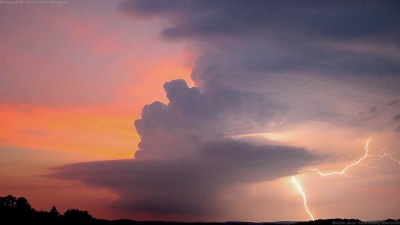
[294, 55]
[193, 117]
[263, 66]
[185, 162]
[283, 36]
[337, 20]
[191, 186]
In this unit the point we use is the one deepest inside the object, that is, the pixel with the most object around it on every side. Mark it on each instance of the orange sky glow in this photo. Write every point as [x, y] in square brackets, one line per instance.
[76, 76]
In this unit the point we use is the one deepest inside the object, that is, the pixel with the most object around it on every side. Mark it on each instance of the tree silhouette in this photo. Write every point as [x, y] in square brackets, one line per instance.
[18, 211]
[22, 204]
[77, 215]
[54, 212]
[8, 202]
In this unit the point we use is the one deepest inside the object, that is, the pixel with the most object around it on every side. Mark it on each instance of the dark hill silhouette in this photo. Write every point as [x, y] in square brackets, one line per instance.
[18, 211]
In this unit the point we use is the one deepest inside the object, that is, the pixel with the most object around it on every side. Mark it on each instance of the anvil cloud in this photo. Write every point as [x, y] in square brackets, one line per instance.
[263, 67]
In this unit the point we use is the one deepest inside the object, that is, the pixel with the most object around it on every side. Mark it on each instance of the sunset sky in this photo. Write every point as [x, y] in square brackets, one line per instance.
[201, 110]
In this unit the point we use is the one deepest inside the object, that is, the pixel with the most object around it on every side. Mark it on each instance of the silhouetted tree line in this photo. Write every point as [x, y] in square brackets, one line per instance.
[18, 211]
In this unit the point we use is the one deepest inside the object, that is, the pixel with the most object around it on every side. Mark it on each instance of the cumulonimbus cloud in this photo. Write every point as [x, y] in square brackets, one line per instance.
[285, 52]
[191, 186]
[185, 162]
[263, 65]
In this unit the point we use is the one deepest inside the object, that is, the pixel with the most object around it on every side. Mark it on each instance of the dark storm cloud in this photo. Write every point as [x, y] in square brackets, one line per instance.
[289, 52]
[286, 36]
[332, 19]
[263, 66]
[192, 117]
[185, 162]
[190, 186]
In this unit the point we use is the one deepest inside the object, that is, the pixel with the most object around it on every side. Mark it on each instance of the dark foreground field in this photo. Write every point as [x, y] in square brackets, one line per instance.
[18, 211]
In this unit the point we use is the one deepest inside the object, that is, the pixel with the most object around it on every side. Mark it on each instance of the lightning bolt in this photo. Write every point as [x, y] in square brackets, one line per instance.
[366, 155]
[356, 163]
[301, 191]
[379, 157]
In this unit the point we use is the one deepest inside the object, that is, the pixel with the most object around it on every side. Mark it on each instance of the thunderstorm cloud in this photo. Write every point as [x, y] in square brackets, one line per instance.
[185, 162]
[263, 66]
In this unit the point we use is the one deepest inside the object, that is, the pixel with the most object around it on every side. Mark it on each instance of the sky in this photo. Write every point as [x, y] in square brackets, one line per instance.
[202, 110]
